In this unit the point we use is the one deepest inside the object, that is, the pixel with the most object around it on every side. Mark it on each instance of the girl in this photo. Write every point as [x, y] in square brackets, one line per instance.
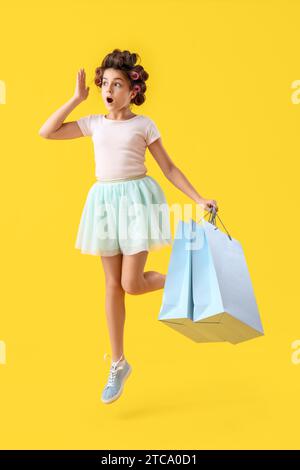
[123, 194]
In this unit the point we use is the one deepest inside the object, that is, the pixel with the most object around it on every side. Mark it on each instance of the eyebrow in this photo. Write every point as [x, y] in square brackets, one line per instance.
[117, 78]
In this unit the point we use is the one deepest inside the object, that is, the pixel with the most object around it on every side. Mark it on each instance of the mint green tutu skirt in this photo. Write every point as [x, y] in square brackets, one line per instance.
[124, 217]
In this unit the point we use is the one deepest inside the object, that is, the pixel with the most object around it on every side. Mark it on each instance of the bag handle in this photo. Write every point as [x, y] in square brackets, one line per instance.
[212, 219]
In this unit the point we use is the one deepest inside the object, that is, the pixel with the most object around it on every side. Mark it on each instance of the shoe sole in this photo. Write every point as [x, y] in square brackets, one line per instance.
[114, 398]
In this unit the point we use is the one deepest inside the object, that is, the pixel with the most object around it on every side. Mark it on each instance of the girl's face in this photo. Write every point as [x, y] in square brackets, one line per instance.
[116, 87]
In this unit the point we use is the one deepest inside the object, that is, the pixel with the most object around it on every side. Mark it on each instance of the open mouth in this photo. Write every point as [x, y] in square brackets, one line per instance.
[109, 100]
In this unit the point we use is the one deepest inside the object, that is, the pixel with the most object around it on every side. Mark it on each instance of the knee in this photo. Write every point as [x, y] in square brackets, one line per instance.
[113, 285]
[131, 286]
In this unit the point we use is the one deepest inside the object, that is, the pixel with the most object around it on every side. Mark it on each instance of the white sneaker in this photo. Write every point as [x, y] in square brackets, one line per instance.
[118, 374]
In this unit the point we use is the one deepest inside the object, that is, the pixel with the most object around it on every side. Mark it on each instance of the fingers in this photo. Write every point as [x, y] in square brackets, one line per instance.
[81, 86]
[81, 74]
[209, 204]
[213, 203]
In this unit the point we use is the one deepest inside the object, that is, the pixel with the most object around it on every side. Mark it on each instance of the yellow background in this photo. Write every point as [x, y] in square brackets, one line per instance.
[220, 92]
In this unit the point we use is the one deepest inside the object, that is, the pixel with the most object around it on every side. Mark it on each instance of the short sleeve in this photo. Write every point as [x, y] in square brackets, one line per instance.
[152, 132]
[86, 124]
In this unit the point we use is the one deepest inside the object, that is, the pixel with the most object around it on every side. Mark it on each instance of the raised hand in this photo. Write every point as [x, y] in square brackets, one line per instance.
[81, 91]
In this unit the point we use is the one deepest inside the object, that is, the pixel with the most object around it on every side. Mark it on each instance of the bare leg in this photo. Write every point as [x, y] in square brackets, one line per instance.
[135, 280]
[114, 303]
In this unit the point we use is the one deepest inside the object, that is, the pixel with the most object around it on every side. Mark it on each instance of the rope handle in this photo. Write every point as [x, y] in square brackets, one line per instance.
[212, 219]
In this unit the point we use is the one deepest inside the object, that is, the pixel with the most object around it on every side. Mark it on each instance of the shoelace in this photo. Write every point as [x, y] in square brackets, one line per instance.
[113, 370]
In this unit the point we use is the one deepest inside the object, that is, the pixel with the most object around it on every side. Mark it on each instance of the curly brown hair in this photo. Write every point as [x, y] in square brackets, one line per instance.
[135, 74]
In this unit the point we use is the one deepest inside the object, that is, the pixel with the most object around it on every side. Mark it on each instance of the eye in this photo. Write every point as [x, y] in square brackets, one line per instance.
[117, 83]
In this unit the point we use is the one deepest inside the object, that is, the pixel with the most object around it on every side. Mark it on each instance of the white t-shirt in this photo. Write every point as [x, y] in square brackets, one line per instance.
[119, 146]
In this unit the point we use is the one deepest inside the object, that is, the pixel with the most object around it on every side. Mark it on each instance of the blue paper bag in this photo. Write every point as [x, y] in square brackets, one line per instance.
[177, 302]
[225, 307]
[208, 295]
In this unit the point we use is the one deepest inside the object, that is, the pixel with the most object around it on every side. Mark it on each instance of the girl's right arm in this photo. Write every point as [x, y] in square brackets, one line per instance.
[55, 127]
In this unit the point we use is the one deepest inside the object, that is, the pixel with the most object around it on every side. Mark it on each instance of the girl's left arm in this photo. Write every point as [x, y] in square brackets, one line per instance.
[175, 175]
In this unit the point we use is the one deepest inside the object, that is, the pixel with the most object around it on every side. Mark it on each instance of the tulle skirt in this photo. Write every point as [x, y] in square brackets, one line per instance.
[124, 217]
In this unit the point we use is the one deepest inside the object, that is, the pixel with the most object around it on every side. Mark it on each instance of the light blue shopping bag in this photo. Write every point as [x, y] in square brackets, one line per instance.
[208, 276]
[225, 307]
[177, 302]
